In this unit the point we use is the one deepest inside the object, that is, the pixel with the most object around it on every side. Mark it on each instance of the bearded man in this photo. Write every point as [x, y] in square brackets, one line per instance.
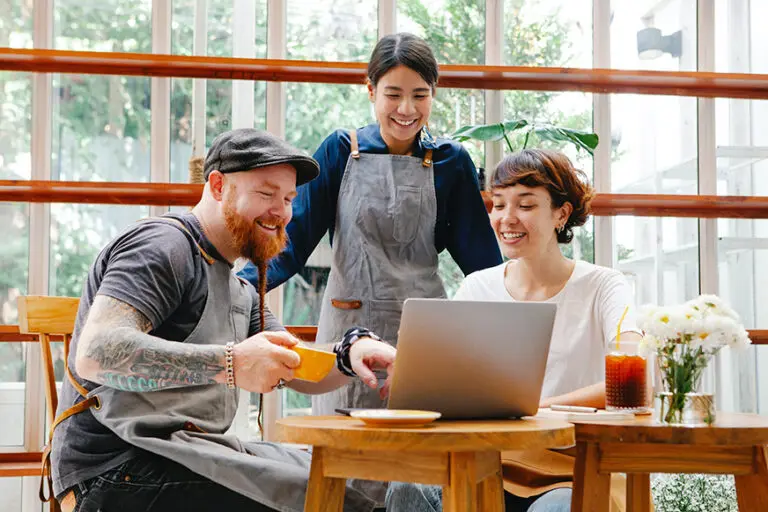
[165, 335]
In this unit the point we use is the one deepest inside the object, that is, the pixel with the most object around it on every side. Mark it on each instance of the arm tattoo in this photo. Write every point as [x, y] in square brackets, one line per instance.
[129, 359]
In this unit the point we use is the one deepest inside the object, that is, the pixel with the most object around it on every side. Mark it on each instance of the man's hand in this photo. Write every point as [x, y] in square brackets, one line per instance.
[263, 359]
[366, 355]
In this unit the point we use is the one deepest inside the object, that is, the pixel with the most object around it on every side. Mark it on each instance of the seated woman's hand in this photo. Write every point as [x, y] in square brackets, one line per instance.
[366, 355]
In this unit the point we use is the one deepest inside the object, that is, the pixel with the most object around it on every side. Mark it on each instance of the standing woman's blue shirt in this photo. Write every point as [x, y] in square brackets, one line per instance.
[462, 225]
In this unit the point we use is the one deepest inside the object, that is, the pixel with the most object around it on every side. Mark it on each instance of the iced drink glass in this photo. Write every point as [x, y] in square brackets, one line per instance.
[626, 378]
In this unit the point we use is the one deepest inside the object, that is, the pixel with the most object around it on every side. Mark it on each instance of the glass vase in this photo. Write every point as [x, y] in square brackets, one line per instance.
[685, 386]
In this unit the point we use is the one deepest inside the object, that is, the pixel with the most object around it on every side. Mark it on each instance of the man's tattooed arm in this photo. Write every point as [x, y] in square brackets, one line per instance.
[115, 349]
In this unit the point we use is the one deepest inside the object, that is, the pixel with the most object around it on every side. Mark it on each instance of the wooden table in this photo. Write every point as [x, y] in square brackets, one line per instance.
[735, 444]
[462, 456]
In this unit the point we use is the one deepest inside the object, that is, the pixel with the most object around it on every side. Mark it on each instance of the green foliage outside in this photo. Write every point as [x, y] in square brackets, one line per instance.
[694, 493]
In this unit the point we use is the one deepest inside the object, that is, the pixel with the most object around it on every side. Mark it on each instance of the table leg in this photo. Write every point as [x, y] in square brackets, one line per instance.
[591, 489]
[638, 492]
[752, 490]
[491, 493]
[460, 495]
[324, 494]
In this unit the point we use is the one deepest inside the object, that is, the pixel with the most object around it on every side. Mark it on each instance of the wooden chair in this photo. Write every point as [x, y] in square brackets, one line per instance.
[46, 317]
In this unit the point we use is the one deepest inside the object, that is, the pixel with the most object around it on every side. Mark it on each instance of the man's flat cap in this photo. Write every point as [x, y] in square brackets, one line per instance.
[246, 148]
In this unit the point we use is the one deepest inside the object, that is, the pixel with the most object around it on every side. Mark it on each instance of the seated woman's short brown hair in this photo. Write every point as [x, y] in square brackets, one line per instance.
[555, 172]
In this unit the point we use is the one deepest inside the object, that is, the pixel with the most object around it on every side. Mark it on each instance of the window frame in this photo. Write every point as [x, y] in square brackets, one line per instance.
[42, 106]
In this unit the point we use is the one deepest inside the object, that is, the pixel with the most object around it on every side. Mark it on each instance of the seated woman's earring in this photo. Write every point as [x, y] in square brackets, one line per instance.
[560, 228]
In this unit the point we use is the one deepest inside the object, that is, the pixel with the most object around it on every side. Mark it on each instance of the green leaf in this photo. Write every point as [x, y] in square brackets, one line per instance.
[582, 140]
[480, 132]
[515, 124]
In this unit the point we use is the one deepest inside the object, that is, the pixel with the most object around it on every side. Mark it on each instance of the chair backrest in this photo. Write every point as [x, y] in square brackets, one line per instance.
[46, 316]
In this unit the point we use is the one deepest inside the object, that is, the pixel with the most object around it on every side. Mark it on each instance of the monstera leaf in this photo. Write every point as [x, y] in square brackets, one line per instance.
[485, 132]
[582, 140]
[498, 131]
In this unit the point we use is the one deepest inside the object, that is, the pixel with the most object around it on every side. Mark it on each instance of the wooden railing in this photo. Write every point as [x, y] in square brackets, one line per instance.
[10, 333]
[674, 83]
[727, 85]
[182, 194]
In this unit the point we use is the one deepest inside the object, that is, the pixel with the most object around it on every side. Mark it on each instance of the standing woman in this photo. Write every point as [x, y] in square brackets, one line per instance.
[393, 197]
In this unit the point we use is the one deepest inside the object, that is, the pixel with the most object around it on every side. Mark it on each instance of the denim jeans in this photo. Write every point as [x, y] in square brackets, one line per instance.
[151, 483]
[403, 497]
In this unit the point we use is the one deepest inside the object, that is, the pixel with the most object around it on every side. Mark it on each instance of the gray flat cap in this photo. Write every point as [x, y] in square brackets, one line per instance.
[246, 148]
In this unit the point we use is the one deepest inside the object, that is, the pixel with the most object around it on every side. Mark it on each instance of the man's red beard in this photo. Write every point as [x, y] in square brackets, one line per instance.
[249, 239]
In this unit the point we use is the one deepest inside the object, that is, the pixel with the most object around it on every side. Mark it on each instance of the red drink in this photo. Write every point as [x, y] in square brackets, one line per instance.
[625, 382]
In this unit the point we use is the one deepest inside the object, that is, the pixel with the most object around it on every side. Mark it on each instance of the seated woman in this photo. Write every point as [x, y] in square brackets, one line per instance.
[538, 198]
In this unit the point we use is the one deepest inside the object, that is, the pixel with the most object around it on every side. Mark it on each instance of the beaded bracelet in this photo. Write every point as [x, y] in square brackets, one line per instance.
[342, 348]
[230, 365]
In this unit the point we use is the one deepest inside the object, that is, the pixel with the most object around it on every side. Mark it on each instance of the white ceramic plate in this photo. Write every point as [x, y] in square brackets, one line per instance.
[395, 417]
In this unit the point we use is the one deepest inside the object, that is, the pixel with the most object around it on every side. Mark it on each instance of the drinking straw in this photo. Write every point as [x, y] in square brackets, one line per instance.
[618, 327]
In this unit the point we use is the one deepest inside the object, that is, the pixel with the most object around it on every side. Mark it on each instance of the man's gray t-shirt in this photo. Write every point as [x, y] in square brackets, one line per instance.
[156, 268]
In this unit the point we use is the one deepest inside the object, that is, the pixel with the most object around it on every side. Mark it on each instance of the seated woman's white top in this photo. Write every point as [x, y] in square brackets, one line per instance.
[589, 308]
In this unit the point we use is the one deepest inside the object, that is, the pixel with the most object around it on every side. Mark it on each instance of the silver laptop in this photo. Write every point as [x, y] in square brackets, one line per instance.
[469, 359]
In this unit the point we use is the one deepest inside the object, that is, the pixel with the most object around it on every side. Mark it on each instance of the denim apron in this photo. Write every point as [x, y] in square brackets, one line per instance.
[383, 253]
[188, 425]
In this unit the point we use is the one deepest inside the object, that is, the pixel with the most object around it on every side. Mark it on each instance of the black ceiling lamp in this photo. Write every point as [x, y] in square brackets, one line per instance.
[651, 44]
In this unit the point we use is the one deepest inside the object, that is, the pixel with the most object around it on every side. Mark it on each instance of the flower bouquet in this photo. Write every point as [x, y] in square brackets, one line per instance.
[684, 338]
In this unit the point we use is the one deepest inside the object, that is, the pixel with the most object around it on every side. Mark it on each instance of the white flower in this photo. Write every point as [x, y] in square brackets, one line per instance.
[713, 305]
[705, 322]
[667, 323]
[740, 340]
[648, 344]
[713, 331]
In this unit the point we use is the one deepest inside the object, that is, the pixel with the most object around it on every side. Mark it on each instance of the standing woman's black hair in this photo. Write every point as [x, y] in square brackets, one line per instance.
[403, 49]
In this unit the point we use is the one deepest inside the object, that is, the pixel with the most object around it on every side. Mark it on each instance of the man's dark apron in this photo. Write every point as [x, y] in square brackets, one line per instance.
[187, 425]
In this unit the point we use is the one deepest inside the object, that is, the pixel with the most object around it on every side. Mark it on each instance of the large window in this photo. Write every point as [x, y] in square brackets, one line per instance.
[654, 150]
[15, 164]
[741, 46]
[548, 33]
[216, 117]
[15, 154]
[100, 130]
[333, 30]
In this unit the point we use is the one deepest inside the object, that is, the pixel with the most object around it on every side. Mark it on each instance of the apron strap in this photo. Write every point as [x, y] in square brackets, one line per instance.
[207, 257]
[353, 144]
[80, 389]
[426, 161]
[427, 158]
[46, 480]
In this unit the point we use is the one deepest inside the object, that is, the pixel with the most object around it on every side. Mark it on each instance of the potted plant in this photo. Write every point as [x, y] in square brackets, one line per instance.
[521, 128]
[684, 338]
